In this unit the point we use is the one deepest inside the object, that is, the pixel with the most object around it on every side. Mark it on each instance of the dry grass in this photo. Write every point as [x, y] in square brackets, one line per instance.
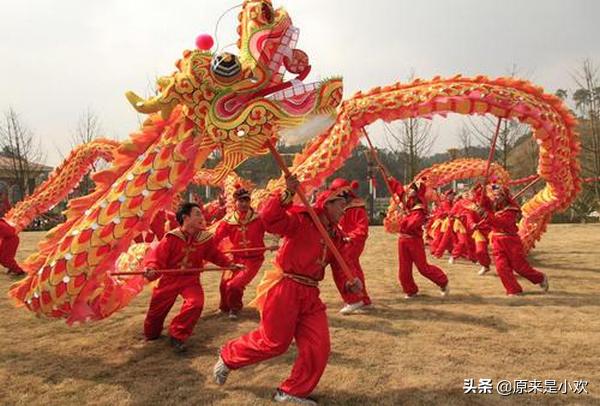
[415, 352]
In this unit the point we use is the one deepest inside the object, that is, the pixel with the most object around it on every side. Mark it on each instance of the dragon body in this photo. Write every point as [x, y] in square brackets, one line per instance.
[235, 105]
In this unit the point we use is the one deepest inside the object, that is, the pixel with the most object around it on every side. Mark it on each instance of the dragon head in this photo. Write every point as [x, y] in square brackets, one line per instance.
[240, 102]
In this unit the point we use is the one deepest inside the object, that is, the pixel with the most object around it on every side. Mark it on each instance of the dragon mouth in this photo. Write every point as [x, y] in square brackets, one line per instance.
[287, 58]
[286, 46]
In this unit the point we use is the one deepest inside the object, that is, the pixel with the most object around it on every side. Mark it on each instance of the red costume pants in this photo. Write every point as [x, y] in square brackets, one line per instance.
[9, 242]
[508, 256]
[412, 250]
[446, 242]
[232, 289]
[437, 237]
[464, 247]
[352, 256]
[163, 298]
[291, 311]
[481, 252]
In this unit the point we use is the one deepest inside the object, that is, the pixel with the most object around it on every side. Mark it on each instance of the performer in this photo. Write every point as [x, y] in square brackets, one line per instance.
[507, 247]
[244, 229]
[441, 220]
[292, 309]
[9, 242]
[355, 225]
[463, 246]
[478, 227]
[185, 247]
[411, 248]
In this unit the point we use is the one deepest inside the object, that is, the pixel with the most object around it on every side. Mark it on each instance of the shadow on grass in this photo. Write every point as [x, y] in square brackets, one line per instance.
[387, 312]
[151, 374]
[540, 260]
[421, 396]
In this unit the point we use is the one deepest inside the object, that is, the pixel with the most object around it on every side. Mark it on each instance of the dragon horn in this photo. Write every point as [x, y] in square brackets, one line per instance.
[148, 106]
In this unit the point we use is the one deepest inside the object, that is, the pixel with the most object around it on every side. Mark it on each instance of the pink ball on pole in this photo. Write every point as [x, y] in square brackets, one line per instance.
[204, 42]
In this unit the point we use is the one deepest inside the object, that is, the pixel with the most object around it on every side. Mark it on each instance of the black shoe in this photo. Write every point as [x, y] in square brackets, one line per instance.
[178, 345]
[15, 272]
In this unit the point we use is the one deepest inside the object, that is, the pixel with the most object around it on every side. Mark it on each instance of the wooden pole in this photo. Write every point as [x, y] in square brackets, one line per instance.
[382, 169]
[529, 185]
[253, 249]
[492, 152]
[177, 271]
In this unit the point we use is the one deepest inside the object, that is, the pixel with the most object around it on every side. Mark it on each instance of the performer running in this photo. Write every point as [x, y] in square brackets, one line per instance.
[185, 247]
[411, 248]
[292, 309]
[440, 220]
[355, 225]
[507, 247]
[245, 231]
[478, 227]
[9, 242]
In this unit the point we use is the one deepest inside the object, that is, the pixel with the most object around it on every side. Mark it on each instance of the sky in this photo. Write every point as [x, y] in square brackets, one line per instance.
[60, 58]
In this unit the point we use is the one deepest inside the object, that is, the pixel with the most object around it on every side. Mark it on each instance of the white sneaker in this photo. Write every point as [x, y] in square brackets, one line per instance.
[281, 396]
[483, 270]
[220, 372]
[409, 297]
[233, 315]
[351, 308]
[514, 294]
[544, 284]
[451, 260]
[445, 291]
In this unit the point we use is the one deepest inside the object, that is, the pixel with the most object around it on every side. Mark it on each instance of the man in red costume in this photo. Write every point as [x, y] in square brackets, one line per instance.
[441, 220]
[411, 248]
[185, 247]
[245, 231]
[355, 225]
[9, 242]
[292, 309]
[507, 247]
[478, 227]
[463, 245]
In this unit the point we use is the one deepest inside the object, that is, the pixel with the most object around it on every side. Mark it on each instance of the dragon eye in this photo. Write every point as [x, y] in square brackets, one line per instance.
[267, 13]
[226, 66]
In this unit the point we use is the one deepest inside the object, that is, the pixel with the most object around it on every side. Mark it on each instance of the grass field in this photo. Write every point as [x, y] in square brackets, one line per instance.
[401, 352]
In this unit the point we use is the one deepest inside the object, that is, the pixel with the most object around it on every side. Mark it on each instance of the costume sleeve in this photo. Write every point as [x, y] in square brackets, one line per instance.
[360, 221]
[214, 255]
[397, 186]
[158, 257]
[275, 217]
[222, 232]
[344, 248]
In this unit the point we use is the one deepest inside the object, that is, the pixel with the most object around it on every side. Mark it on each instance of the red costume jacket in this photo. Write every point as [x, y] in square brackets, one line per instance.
[244, 231]
[504, 221]
[178, 250]
[412, 223]
[303, 251]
